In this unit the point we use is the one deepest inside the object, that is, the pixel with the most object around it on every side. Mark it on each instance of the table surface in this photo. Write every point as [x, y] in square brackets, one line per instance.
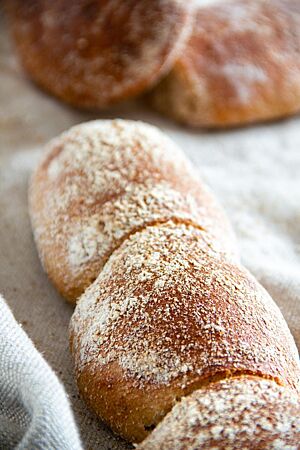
[254, 171]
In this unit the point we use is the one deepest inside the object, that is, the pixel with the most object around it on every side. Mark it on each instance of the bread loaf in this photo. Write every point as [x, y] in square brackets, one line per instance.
[171, 312]
[240, 65]
[94, 53]
[102, 181]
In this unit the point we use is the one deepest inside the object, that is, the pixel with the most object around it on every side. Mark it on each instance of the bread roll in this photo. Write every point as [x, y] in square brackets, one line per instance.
[241, 65]
[95, 53]
[238, 413]
[102, 181]
[167, 316]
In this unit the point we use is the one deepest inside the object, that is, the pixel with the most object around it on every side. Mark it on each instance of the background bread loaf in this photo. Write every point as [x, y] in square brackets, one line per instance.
[171, 310]
[94, 53]
[230, 63]
[240, 65]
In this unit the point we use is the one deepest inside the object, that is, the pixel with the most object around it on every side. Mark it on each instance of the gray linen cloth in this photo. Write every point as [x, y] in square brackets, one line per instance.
[34, 409]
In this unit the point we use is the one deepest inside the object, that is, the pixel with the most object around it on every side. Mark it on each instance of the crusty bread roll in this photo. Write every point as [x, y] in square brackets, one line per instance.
[167, 316]
[238, 413]
[101, 182]
[240, 65]
[94, 53]
[170, 311]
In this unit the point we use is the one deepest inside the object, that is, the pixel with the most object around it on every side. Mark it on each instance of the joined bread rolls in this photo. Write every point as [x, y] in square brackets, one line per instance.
[168, 314]
[102, 181]
[94, 53]
[240, 65]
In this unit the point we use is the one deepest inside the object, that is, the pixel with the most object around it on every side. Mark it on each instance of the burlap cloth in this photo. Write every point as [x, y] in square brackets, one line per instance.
[255, 172]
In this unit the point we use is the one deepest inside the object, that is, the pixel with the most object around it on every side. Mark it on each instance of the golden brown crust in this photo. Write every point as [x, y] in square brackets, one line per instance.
[94, 53]
[239, 413]
[170, 310]
[166, 315]
[241, 65]
[100, 182]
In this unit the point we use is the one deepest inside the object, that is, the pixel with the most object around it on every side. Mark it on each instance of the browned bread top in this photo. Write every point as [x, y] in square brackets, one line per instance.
[167, 315]
[102, 181]
[240, 65]
[238, 413]
[94, 53]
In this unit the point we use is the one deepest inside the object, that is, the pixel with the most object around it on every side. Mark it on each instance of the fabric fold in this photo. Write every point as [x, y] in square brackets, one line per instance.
[34, 409]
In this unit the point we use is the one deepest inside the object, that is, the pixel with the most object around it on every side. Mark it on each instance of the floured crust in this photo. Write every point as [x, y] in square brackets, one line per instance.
[167, 315]
[93, 54]
[118, 213]
[241, 65]
[102, 181]
[238, 413]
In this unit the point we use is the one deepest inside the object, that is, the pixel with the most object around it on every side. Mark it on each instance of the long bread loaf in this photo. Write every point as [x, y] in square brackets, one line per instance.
[166, 311]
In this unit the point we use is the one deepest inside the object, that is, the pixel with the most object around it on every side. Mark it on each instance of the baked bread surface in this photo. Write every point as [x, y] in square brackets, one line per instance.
[240, 65]
[168, 315]
[239, 413]
[95, 53]
[100, 182]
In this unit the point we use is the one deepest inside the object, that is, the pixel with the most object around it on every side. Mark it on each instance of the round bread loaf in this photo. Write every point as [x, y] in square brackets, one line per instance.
[239, 413]
[94, 53]
[102, 181]
[168, 315]
[241, 65]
